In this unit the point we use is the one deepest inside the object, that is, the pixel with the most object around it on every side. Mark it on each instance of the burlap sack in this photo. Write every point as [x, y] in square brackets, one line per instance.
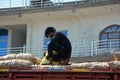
[7, 57]
[100, 65]
[37, 60]
[15, 63]
[83, 65]
[91, 65]
[114, 64]
[116, 56]
[25, 56]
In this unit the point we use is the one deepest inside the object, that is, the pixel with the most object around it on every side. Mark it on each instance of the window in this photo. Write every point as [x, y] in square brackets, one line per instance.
[47, 40]
[110, 36]
[3, 41]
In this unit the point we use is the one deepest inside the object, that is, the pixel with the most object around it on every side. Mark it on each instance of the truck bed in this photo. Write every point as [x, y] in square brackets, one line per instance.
[58, 73]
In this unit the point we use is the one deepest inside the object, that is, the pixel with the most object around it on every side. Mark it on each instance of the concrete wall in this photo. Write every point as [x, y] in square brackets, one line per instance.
[18, 38]
[83, 25]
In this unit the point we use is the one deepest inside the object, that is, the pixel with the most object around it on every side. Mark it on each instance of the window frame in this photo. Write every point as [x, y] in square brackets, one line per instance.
[108, 38]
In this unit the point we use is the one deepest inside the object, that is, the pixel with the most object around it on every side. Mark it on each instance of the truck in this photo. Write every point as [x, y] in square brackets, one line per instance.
[62, 72]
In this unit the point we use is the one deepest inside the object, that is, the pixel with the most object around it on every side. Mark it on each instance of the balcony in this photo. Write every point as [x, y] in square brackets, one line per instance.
[79, 49]
[27, 6]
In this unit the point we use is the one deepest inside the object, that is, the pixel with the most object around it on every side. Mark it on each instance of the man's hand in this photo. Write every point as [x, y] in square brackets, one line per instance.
[51, 61]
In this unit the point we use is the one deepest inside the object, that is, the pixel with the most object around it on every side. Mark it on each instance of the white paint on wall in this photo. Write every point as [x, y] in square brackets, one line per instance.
[83, 24]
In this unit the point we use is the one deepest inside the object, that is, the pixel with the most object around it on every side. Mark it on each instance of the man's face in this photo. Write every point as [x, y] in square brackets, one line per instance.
[51, 34]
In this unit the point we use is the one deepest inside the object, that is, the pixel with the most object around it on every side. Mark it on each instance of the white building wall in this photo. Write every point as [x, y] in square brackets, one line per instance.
[84, 25]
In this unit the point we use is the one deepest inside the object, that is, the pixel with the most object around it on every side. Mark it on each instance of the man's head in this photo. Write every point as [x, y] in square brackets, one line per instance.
[50, 32]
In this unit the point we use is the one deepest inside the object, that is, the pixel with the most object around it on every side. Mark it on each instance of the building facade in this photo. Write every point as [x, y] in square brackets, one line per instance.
[93, 27]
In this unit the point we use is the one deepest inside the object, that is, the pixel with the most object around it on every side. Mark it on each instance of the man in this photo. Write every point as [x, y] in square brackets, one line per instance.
[60, 44]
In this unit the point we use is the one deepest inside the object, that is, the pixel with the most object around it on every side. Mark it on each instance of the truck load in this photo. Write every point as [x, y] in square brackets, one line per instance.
[29, 67]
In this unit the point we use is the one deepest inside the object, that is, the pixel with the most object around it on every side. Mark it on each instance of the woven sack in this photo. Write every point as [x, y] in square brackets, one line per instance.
[15, 63]
[7, 57]
[82, 65]
[100, 65]
[37, 60]
[25, 56]
[114, 64]
[116, 56]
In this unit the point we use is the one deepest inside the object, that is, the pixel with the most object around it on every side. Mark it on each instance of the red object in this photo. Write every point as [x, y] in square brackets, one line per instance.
[38, 74]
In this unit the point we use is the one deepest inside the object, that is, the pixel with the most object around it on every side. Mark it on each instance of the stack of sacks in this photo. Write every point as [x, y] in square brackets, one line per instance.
[8, 57]
[101, 66]
[116, 56]
[115, 64]
[21, 60]
[91, 65]
[82, 65]
[25, 56]
[15, 63]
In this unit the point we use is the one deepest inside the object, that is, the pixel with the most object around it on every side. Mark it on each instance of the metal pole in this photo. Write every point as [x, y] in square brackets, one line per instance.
[25, 4]
[22, 4]
[92, 48]
[110, 46]
[10, 4]
[24, 49]
[41, 3]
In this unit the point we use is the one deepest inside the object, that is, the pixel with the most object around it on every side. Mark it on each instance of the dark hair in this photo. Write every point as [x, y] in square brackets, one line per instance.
[48, 30]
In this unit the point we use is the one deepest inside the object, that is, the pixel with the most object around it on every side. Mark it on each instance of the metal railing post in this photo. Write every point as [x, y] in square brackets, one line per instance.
[110, 46]
[22, 4]
[10, 4]
[24, 49]
[41, 3]
[25, 4]
[92, 48]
